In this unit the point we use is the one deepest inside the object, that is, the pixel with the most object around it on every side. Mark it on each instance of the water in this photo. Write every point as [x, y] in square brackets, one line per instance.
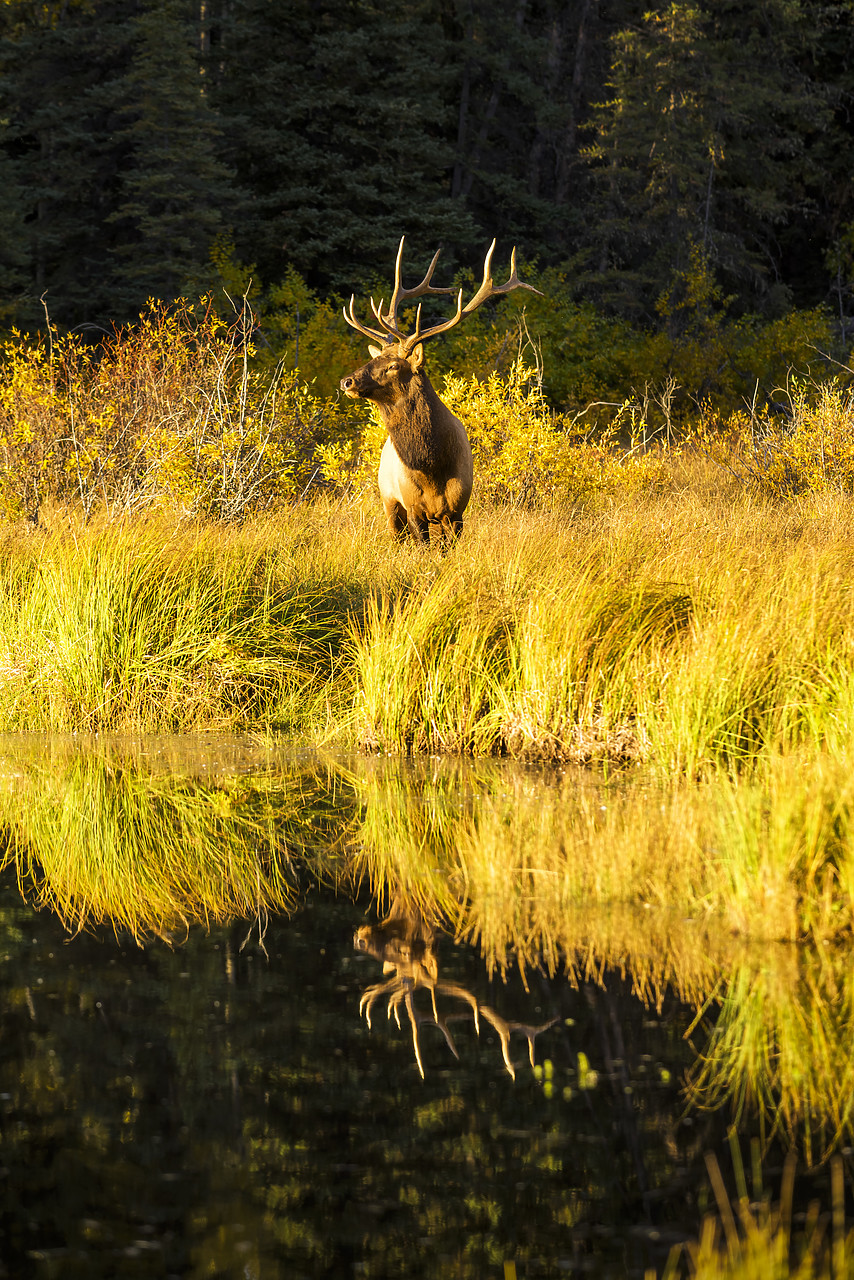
[209, 1101]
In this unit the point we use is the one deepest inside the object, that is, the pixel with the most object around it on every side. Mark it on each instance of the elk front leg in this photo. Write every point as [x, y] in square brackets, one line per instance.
[395, 514]
[452, 527]
[419, 527]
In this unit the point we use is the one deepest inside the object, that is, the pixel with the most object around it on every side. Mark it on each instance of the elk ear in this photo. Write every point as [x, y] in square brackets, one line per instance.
[416, 358]
[375, 351]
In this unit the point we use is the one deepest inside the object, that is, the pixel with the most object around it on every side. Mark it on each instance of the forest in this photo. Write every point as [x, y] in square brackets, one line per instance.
[669, 173]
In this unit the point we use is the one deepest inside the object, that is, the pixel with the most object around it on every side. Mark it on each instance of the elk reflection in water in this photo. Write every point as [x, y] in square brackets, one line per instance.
[404, 944]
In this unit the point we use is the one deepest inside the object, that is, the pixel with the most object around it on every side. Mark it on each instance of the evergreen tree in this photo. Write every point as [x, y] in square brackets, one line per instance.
[337, 126]
[701, 153]
[58, 154]
[173, 190]
[136, 134]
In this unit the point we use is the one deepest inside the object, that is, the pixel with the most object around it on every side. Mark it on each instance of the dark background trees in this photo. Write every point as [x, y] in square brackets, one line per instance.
[696, 156]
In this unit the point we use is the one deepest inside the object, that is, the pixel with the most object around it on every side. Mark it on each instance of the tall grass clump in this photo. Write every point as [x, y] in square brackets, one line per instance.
[752, 1238]
[684, 632]
[121, 629]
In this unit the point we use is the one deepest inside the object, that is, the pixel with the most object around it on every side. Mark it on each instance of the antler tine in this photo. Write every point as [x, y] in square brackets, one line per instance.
[441, 1023]
[403, 295]
[503, 1029]
[372, 995]
[531, 1033]
[414, 338]
[394, 1005]
[489, 289]
[357, 324]
[454, 989]
[413, 1018]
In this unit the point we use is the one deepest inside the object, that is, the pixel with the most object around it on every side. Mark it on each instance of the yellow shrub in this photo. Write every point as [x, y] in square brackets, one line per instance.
[171, 411]
[526, 454]
[806, 447]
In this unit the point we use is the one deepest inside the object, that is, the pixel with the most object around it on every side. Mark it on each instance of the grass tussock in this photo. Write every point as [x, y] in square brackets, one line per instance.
[685, 632]
[752, 1238]
[691, 631]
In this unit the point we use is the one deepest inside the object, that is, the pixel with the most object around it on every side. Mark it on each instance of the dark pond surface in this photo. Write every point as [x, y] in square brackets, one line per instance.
[216, 1105]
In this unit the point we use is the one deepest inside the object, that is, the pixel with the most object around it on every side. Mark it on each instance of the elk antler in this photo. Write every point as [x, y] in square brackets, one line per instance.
[401, 990]
[389, 322]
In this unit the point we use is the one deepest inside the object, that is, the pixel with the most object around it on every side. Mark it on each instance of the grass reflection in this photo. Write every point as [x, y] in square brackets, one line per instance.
[589, 876]
[576, 872]
[121, 834]
[780, 1043]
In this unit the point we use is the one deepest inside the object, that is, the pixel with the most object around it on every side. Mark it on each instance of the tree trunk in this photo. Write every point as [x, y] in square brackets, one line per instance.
[569, 147]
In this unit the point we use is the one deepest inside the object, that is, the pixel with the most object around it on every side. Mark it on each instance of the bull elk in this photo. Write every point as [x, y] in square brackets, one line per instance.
[404, 944]
[425, 474]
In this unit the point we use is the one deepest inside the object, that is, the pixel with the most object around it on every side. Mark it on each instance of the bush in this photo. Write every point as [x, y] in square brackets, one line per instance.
[804, 444]
[171, 412]
[592, 360]
[524, 453]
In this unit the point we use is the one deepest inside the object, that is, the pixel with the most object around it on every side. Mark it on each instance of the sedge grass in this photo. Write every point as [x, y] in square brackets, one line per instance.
[691, 632]
[752, 1238]
[688, 635]
[121, 630]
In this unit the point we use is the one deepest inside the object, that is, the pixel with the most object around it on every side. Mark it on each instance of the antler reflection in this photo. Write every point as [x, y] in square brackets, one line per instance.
[404, 943]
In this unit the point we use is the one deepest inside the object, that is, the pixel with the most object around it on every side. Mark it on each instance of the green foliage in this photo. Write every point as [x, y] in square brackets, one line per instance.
[709, 357]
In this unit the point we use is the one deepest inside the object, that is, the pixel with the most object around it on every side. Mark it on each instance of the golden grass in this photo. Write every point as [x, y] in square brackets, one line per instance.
[752, 1238]
[692, 631]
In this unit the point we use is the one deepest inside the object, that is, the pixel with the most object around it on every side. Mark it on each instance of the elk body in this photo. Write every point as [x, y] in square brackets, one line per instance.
[425, 474]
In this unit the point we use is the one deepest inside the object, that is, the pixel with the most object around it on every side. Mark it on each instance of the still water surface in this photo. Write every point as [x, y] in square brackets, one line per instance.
[188, 1096]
